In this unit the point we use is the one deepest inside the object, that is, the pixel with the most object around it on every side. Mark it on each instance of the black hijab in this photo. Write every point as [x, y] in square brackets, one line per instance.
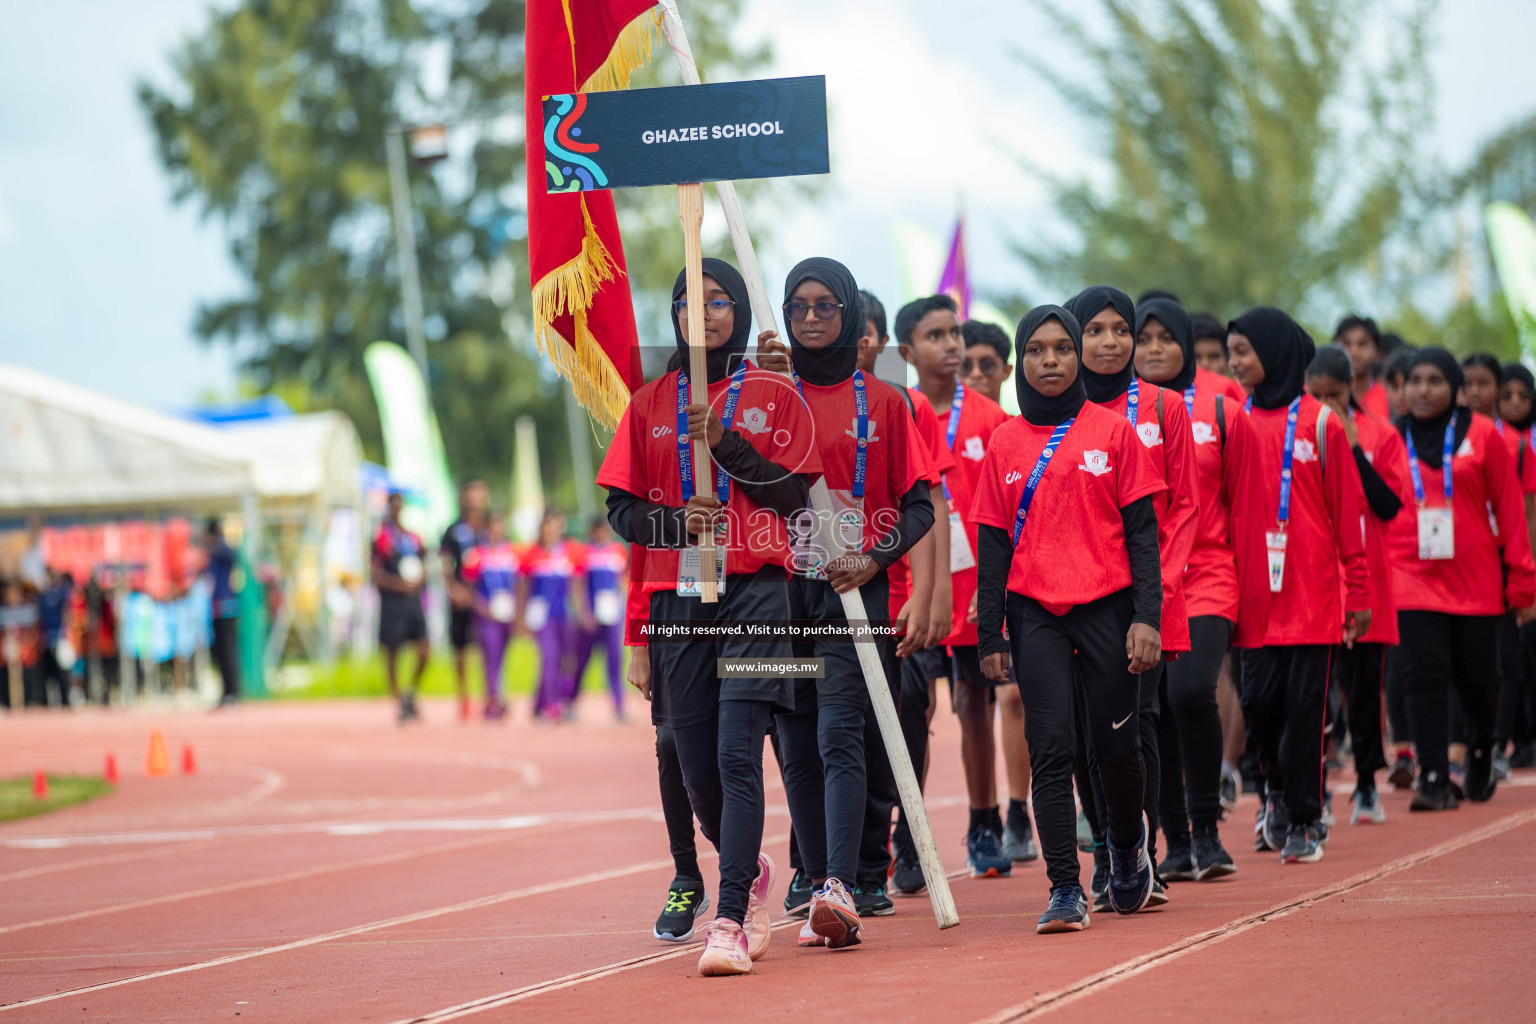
[1084, 306]
[1172, 316]
[1429, 435]
[1039, 409]
[1518, 372]
[1284, 349]
[721, 361]
[835, 363]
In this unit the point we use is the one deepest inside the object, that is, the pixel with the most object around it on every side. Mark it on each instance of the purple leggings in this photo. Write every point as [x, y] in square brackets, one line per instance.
[612, 639]
[557, 686]
[493, 637]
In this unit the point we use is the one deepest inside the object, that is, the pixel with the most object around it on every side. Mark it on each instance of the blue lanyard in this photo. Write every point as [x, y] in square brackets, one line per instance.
[861, 456]
[1447, 459]
[1028, 497]
[685, 449]
[1286, 457]
[1132, 400]
[955, 406]
[1189, 401]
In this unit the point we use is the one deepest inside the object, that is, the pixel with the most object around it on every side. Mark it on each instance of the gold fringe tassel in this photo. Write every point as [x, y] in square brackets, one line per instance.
[631, 51]
[570, 288]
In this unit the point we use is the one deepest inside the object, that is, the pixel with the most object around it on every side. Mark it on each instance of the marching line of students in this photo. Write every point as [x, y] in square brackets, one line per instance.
[1081, 572]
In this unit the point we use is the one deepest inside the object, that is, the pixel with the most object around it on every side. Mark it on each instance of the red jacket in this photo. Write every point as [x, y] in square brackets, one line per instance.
[1324, 529]
[1471, 583]
[1228, 573]
[1384, 450]
[1170, 439]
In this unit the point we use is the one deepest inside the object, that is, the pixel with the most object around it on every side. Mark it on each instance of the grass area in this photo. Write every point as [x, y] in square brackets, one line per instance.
[16, 800]
[347, 678]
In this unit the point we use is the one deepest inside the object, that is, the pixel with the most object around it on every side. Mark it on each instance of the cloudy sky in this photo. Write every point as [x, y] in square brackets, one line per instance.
[100, 274]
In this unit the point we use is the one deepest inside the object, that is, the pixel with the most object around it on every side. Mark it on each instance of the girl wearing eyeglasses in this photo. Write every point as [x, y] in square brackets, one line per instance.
[763, 461]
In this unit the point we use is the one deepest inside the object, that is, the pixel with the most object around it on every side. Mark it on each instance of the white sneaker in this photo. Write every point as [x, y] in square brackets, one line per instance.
[1367, 808]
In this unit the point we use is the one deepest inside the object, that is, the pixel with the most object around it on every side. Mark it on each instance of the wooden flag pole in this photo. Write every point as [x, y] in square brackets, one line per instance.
[690, 207]
[853, 602]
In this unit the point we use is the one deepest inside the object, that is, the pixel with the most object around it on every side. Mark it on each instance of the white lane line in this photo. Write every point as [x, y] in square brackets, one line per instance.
[517, 995]
[251, 883]
[87, 862]
[1047, 1002]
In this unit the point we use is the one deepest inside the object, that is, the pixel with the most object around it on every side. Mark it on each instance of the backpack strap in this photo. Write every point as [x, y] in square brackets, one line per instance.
[1221, 422]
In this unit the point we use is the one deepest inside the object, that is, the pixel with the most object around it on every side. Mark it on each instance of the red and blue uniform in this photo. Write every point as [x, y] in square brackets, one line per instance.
[606, 565]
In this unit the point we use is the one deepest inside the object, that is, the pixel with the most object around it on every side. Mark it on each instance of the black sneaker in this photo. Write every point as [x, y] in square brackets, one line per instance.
[1130, 876]
[1434, 795]
[1228, 789]
[908, 879]
[686, 900]
[408, 712]
[1523, 756]
[1159, 897]
[1099, 885]
[1303, 844]
[1211, 858]
[871, 900]
[1277, 823]
[1179, 863]
[1068, 911]
[1402, 773]
[1019, 843]
[798, 902]
[1457, 776]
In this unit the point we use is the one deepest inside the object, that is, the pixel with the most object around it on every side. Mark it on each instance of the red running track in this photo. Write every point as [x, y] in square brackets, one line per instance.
[327, 866]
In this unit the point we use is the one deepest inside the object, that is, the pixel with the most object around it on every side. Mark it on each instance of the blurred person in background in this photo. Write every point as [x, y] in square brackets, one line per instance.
[224, 602]
[607, 580]
[399, 573]
[1210, 343]
[492, 569]
[1482, 377]
[101, 635]
[551, 564]
[458, 548]
[18, 643]
[1360, 339]
[57, 652]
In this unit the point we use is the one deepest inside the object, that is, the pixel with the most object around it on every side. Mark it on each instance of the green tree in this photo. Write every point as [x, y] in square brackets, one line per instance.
[275, 124]
[1257, 153]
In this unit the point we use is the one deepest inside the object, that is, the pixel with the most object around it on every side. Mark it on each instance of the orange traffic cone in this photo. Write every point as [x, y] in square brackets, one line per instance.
[110, 773]
[39, 786]
[158, 763]
[188, 761]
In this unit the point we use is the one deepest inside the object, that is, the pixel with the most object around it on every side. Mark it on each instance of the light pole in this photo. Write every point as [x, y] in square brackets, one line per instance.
[405, 241]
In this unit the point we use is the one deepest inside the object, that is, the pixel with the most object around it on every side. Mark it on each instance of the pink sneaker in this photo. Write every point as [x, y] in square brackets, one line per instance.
[725, 950]
[758, 927]
[834, 917]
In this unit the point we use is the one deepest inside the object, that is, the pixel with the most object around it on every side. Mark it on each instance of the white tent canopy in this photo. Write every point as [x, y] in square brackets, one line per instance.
[64, 449]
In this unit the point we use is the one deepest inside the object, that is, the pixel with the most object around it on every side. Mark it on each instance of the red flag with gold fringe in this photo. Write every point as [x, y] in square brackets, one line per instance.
[583, 318]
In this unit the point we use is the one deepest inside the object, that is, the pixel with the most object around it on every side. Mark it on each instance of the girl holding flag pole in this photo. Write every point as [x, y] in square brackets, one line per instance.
[764, 453]
[1068, 557]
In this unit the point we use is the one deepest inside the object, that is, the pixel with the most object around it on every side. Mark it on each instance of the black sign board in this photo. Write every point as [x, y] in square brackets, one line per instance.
[720, 132]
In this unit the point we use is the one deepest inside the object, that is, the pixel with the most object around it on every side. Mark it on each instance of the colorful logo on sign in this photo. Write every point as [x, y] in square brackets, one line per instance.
[568, 161]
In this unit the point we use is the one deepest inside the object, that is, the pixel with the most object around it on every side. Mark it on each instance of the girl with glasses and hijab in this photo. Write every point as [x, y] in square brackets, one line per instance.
[870, 456]
[1456, 570]
[763, 459]
[1160, 419]
[1227, 588]
[1068, 559]
[1311, 520]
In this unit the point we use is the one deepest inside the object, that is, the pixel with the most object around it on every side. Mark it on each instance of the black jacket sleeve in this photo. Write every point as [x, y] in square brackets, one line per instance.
[1383, 501]
[1140, 521]
[765, 482]
[914, 519]
[641, 522]
[994, 557]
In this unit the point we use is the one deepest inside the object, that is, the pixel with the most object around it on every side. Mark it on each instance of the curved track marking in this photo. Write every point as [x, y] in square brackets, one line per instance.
[88, 862]
[1046, 1002]
[363, 929]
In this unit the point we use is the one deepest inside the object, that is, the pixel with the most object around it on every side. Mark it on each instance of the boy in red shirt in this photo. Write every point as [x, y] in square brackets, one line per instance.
[1069, 559]
[764, 454]
[398, 572]
[928, 331]
[1308, 473]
